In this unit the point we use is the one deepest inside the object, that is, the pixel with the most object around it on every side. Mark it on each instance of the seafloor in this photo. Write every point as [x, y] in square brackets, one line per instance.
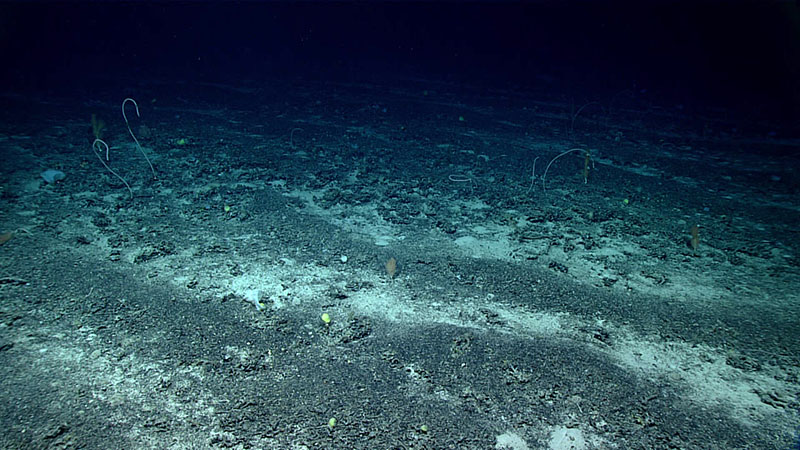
[572, 311]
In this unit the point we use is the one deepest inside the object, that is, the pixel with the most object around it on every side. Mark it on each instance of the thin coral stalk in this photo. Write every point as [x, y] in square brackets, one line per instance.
[98, 144]
[131, 132]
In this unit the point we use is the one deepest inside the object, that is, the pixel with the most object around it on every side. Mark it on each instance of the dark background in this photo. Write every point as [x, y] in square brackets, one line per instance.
[742, 56]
